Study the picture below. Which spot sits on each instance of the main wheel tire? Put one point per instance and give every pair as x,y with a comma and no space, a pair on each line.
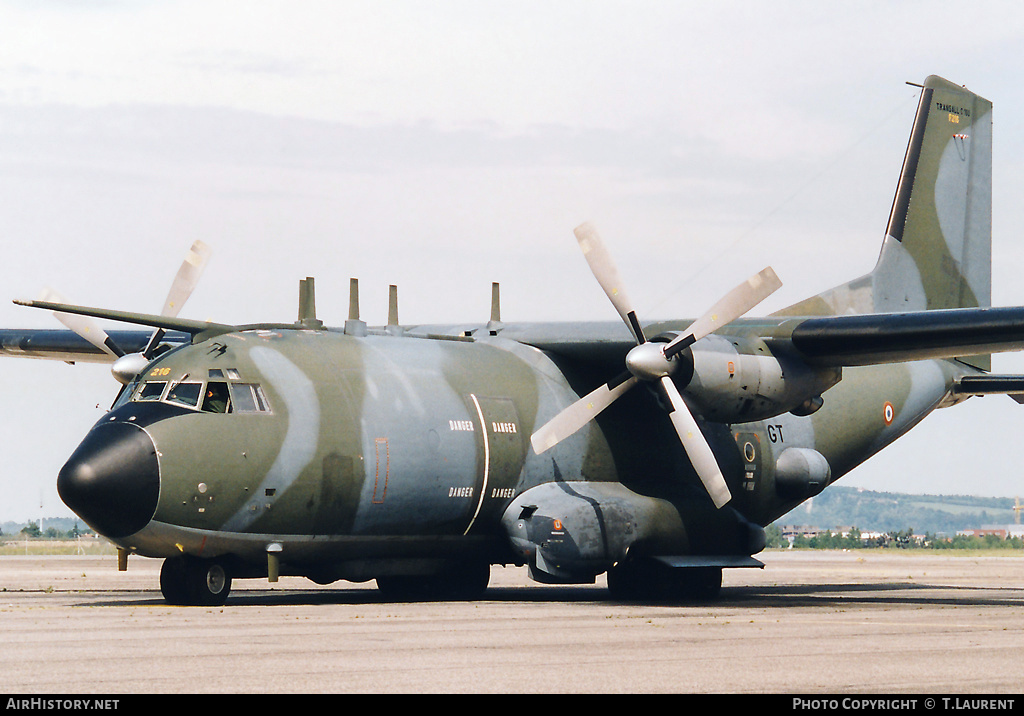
464,582
640,580
702,583
648,580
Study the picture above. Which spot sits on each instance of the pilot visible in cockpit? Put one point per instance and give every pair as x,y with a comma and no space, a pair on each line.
217,399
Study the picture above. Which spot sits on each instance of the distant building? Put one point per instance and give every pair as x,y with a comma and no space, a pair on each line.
1001,531
791,532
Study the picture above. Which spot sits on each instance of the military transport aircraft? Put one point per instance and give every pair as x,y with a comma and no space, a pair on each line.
419,456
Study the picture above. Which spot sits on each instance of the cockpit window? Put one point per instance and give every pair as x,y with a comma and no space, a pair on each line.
152,390
185,394
214,396
248,398
216,399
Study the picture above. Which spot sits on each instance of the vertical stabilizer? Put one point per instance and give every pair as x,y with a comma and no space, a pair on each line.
937,251
940,226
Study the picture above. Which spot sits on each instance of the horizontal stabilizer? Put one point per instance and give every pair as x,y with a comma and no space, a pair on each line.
1011,385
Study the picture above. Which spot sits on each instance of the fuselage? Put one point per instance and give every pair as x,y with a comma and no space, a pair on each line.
330,446
344,452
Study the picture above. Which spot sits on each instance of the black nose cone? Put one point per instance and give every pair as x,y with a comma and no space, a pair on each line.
112,481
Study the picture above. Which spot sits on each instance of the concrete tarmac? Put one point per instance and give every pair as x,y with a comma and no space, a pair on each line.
878,622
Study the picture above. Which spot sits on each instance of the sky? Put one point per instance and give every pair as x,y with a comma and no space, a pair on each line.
441,146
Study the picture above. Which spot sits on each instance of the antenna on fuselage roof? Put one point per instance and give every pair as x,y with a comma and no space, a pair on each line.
307,304
494,325
354,326
393,328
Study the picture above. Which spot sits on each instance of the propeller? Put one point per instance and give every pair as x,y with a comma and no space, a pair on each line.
187,278
127,366
84,326
184,283
655,362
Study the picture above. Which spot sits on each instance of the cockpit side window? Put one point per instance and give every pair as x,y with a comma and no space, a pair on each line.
248,398
185,394
151,390
216,399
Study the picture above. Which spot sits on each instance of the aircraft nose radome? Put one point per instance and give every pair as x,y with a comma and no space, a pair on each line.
112,481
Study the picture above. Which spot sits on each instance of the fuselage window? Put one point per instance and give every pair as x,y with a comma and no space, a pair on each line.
151,391
185,394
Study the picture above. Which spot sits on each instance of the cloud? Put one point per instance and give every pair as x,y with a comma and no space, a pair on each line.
444,145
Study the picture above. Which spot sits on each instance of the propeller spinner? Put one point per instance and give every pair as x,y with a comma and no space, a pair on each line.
655,362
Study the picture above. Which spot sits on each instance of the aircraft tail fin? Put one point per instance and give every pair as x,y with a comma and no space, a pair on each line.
937,248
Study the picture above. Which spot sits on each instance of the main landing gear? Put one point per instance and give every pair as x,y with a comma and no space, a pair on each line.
458,582
651,580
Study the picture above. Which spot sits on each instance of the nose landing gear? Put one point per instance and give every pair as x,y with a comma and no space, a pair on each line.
191,581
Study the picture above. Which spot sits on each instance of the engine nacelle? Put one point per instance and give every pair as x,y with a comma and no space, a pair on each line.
741,380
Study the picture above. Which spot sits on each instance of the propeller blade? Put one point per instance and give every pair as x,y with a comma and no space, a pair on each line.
730,307
604,270
152,343
697,448
186,279
84,326
580,413
184,283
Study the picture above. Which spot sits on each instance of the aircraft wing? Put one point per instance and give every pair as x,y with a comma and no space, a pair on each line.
68,346
827,341
868,339
88,343
591,342
849,340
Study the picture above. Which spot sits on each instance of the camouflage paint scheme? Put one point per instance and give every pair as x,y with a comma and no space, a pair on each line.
402,454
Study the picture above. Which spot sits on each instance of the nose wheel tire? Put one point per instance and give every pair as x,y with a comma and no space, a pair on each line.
190,581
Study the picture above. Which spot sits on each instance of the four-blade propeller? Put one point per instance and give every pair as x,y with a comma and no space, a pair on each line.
655,362
126,366
181,288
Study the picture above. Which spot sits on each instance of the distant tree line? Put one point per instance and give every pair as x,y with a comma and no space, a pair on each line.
897,539
32,531
891,511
